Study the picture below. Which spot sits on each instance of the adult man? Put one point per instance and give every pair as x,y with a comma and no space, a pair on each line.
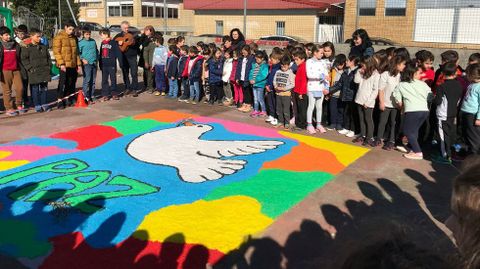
66,55
129,59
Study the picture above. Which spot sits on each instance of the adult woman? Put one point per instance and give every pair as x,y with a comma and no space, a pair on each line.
361,45
238,40
144,40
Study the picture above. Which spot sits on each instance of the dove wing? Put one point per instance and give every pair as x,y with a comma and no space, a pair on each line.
218,149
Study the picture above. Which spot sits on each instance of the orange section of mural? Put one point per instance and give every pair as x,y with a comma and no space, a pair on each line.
165,116
304,158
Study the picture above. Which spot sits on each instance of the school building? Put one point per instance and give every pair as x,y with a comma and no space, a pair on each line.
423,23
302,19
179,21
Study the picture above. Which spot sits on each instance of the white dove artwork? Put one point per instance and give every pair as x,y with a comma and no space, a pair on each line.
163,147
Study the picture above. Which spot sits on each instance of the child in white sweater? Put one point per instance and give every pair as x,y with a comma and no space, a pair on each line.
317,87
367,78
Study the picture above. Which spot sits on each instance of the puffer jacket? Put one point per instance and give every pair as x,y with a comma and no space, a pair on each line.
36,60
346,85
65,50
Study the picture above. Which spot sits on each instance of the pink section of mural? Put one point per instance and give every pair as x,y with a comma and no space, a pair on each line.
242,128
31,153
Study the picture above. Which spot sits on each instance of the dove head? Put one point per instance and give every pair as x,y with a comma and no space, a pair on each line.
194,128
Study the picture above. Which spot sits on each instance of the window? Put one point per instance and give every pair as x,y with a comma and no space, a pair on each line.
127,10
395,7
122,10
366,7
147,11
280,28
219,27
173,13
114,11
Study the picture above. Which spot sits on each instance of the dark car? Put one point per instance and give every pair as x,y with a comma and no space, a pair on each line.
379,41
116,28
92,26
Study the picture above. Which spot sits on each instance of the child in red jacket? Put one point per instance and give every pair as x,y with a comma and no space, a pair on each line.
300,90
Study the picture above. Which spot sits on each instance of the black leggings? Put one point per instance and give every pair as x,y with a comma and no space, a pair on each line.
388,115
349,119
366,121
247,94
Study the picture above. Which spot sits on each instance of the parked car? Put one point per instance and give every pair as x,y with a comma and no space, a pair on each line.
379,41
92,26
117,29
288,39
210,35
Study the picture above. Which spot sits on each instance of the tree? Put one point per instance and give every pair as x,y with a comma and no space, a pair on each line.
49,8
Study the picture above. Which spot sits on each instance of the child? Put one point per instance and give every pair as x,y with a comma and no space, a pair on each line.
109,54
283,84
193,70
317,86
271,93
237,89
348,90
227,72
425,59
329,53
159,61
10,72
206,53
308,50
215,72
447,100
36,60
336,104
245,63
367,78
449,56
183,80
172,72
88,55
389,80
300,90
258,80
471,110
412,96
474,58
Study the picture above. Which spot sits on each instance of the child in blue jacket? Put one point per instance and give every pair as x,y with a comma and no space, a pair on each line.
215,72
172,65
244,66
258,80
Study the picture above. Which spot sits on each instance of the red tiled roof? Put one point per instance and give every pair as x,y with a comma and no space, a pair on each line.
258,4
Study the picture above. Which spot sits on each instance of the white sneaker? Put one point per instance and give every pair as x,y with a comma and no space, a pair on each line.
343,131
274,121
269,119
350,134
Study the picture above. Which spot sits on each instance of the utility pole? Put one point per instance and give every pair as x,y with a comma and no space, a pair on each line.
59,14
105,8
71,12
245,17
165,16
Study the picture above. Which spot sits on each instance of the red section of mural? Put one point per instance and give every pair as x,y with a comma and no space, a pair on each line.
90,136
72,251
304,158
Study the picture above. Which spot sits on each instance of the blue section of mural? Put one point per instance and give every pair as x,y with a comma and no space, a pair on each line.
112,164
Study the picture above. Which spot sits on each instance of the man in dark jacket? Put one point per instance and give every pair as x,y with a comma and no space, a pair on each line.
10,72
129,61
36,60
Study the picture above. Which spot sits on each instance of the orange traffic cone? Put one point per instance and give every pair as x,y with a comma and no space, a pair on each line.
81,100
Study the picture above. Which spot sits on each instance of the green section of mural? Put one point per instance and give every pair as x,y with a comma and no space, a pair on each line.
17,238
80,182
276,190
129,125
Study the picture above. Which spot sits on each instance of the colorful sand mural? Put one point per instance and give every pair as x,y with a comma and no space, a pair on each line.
154,190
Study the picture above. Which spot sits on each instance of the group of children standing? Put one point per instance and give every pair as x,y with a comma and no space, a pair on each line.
386,99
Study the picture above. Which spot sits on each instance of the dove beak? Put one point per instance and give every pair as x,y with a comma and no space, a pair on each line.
186,122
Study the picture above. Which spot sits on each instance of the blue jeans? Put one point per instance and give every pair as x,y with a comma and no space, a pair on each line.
89,77
173,88
160,82
336,113
185,89
195,91
258,99
39,96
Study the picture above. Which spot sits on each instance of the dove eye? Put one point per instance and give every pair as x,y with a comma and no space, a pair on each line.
199,126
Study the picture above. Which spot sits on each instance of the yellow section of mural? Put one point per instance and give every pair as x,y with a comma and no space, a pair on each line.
220,224
346,154
5,165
